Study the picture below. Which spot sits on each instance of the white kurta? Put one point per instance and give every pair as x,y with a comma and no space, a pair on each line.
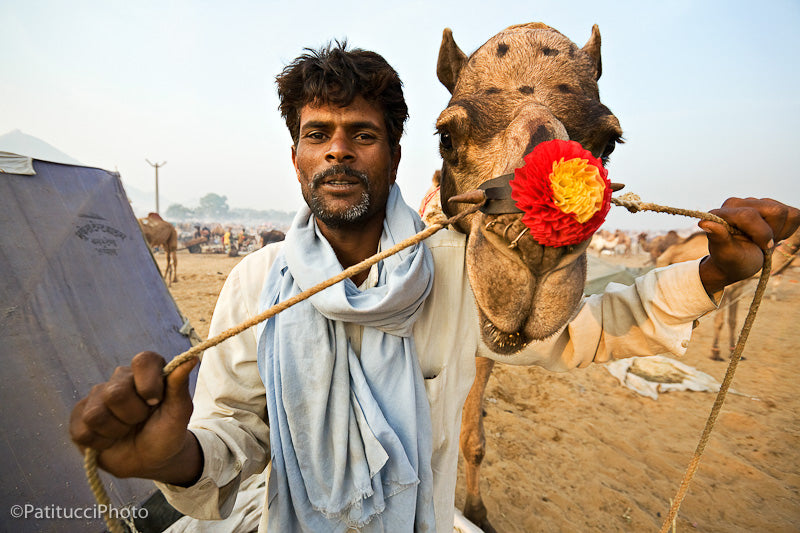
653,316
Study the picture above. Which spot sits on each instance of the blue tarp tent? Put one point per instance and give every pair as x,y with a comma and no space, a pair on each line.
80,294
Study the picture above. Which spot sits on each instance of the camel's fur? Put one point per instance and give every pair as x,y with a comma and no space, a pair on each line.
526,85
159,232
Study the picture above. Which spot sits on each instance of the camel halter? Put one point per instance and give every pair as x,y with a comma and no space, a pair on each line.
498,196
494,199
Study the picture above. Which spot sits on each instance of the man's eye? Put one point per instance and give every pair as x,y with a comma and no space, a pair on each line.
364,137
314,136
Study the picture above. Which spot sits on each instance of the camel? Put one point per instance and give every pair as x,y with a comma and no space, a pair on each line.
657,245
693,247
525,85
159,232
604,241
430,209
623,246
270,236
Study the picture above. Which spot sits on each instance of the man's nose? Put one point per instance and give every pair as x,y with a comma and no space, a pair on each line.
340,149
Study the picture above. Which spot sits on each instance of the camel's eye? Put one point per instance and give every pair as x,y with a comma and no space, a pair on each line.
609,149
445,140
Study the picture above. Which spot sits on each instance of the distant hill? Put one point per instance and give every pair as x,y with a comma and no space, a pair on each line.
17,142
142,202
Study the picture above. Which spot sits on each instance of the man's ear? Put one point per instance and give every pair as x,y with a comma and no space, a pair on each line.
294,160
396,153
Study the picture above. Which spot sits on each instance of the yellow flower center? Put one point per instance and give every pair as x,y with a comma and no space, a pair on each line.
577,188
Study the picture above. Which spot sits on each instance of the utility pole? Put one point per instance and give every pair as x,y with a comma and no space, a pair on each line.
156,165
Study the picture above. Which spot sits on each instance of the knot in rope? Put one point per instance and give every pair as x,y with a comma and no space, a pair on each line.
634,204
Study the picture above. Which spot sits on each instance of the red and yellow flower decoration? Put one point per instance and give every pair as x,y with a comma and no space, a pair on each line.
564,192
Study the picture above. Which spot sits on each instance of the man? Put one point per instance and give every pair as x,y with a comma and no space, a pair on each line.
354,397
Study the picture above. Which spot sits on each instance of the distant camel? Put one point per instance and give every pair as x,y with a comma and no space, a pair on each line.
624,245
694,247
159,232
273,235
615,243
430,209
657,245
604,241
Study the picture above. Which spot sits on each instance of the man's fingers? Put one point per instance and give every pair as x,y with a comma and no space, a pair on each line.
99,418
783,219
78,431
749,221
147,376
121,397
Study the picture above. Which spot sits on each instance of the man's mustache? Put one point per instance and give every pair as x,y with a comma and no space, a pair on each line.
339,170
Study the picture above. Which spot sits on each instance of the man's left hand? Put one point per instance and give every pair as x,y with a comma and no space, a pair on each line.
732,258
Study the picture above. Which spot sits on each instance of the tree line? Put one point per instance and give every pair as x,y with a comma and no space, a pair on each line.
215,207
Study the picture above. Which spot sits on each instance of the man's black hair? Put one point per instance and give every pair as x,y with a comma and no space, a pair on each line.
335,75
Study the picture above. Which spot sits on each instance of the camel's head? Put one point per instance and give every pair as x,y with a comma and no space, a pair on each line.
526,85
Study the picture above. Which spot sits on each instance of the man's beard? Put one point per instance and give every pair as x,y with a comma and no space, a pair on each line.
353,215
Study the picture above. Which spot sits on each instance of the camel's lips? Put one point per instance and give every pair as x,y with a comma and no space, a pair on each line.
499,341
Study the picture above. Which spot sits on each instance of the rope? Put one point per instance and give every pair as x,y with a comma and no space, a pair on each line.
634,204
99,491
723,390
91,455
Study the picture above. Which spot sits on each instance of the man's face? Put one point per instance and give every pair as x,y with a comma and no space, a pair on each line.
344,163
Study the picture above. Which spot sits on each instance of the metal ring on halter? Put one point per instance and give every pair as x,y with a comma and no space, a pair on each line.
515,241
490,224
505,231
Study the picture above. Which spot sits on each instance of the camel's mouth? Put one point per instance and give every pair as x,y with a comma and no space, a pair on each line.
499,341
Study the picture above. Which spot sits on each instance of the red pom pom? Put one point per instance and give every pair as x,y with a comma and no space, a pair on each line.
564,192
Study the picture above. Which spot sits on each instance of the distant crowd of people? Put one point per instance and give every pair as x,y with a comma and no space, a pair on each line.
230,240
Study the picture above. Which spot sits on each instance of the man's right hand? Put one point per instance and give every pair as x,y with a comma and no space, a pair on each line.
138,422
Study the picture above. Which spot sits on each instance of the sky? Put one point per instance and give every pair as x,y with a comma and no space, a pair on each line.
706,92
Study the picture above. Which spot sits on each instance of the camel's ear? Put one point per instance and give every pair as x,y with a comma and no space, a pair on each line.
592,47
451,61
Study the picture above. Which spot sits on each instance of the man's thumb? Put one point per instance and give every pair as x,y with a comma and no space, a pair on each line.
716,232
178,382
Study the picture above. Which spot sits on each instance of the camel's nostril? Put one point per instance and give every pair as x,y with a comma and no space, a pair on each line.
541,135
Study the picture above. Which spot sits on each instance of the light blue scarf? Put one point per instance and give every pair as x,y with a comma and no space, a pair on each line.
350,437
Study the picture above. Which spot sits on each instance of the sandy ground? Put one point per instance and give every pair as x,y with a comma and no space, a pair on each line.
578,452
